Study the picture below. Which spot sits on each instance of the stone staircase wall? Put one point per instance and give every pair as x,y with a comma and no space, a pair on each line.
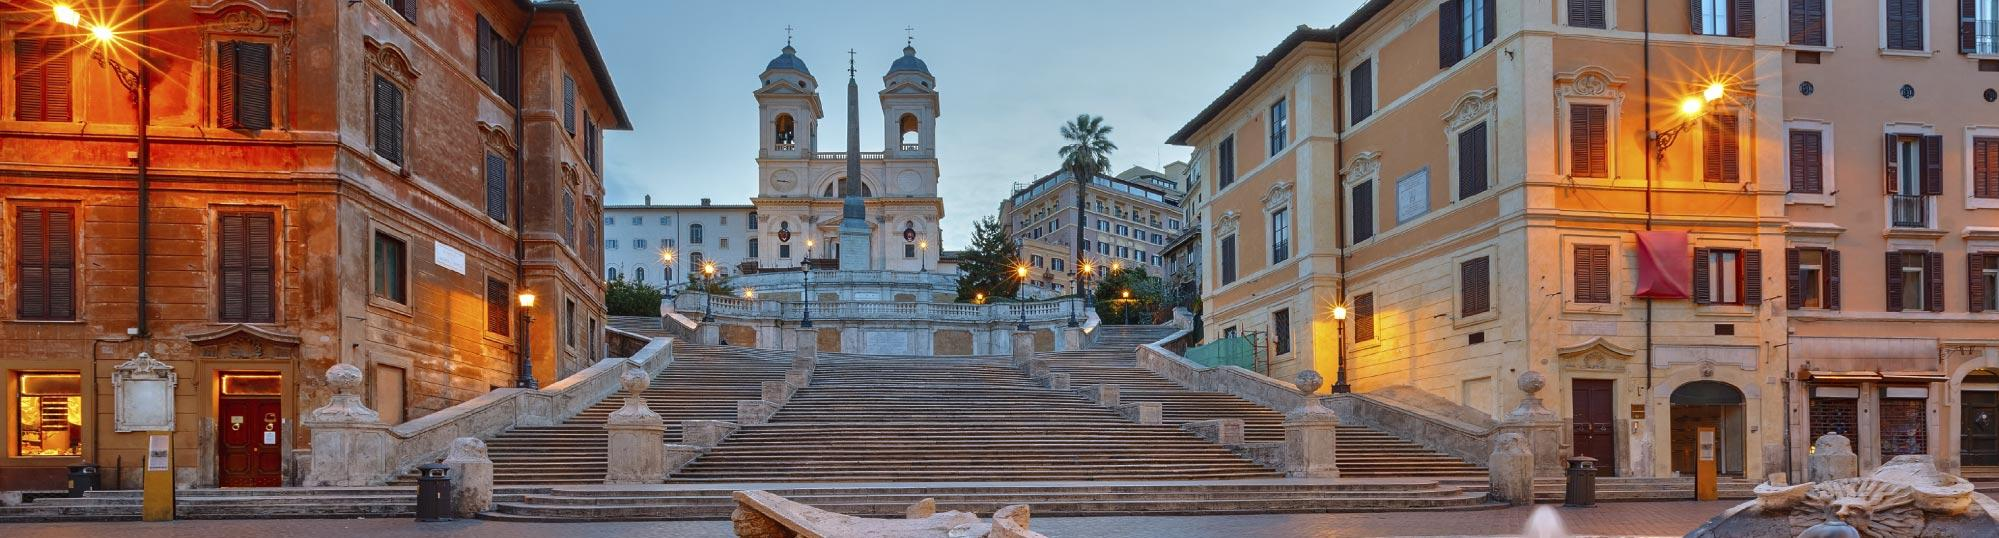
1418,420
1233,380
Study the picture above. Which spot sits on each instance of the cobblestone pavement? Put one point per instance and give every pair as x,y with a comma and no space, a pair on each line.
1612,519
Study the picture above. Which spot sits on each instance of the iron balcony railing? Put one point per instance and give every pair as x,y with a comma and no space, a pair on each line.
1909,211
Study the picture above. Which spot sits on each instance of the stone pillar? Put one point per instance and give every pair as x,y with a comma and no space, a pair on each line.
754,412
708,333
1023,347
1538,426
1310,437
350,444
777,392
705,433
472,477
1832,459
1072,338
805,346
637,434
1511,470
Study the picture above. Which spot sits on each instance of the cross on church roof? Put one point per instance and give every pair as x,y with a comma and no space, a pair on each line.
850,63
787,35
911,31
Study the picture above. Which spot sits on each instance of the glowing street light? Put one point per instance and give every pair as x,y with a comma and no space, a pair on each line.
1692,106
1020,271
1714,92
749,293
68,15
527,299
524,373
1340,385
707,288
1340,313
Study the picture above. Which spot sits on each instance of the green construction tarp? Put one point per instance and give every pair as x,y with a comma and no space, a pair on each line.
1231,351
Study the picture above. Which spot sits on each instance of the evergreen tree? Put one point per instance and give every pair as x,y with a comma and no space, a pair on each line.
987,267
627,298
1146,293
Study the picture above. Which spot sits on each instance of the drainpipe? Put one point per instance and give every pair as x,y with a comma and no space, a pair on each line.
1650,161
520,195
145,160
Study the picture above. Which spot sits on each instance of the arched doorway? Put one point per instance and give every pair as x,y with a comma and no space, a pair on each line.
1978,437
1713,404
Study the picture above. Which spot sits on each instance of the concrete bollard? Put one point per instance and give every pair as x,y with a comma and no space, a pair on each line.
754,412
705,433
472,488
1511,470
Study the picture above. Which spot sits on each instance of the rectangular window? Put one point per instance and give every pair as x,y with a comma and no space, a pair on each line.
1279,126
499,307
246,268
593,144
49,414
496,187
499,62
784,251
1034,260
1720,149
569,320
1360,92
1228,259
1280,331
1978,28
610,244
1363,210
1903,28
638,243
569,105
41,79
1475,286
1473,155
390,266
388,120
1914,170
1463,27
1589,140
389,391
1592,274
568,216
1808,24
406,8
1985,166
1722,276
723,242
1412,196
1587,14
1807,156
243,85
1984,281
1809,271
752,248
1280,236
45,263
1915,281
1363,317
1710,17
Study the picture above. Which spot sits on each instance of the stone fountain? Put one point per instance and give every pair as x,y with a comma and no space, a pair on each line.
1907,498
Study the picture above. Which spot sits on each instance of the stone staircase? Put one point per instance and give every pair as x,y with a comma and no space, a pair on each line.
965,419
1617,489
703,383
1984,477
1362,451
239,503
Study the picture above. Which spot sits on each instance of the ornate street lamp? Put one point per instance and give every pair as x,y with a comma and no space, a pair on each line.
1020,271
525,377
139,91
806,321
708,289
1693,108
666,258
923,256
1340,350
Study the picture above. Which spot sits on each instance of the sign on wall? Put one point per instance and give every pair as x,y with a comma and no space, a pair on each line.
1412,195
450,258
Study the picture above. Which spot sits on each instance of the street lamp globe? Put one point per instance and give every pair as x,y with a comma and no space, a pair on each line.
527,299
1340,313
68,15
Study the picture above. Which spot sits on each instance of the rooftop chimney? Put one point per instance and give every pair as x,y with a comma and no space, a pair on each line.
648,199
704,201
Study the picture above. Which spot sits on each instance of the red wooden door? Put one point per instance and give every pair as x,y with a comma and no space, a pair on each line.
252,448
1595,430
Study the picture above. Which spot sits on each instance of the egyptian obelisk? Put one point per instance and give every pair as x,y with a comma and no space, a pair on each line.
855,252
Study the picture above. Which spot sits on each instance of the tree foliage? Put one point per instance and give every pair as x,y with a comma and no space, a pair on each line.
987,266
626,298
1147,295
1087,154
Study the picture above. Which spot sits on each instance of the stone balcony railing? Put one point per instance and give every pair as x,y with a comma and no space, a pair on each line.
694,304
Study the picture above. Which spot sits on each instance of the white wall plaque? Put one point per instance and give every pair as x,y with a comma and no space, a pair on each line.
1412,196
157,454
143,395
450,258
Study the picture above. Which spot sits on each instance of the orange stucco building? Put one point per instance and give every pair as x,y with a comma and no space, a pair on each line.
1649,210
324,182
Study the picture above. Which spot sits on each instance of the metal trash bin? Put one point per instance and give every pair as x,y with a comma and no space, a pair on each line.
433,492
83,477
1581,492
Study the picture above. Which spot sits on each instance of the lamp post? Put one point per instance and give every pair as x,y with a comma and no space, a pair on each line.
708,289
1125,297
139,91
806,320
1340,350
666,258
923,256
525,378
1693,107
1020,271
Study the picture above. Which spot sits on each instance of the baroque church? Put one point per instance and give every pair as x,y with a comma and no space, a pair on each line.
801,192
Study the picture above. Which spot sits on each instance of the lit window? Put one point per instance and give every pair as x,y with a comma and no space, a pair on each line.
50,411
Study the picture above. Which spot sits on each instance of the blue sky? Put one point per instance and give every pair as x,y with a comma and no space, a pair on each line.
1009,74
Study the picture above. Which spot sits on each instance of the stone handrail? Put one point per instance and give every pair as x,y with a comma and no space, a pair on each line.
695,303
1244,384
1469,442
425,439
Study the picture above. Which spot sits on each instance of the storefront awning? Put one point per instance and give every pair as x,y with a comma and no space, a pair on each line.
1823,376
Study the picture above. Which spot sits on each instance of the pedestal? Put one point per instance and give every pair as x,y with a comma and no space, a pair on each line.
805,347
1832,459
708,333
1023,347
350,444
636,435
1310,439
1072,338
472,485
1511,469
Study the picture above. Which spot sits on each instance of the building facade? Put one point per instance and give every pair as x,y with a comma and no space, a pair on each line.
1129,218
279,186
638,237
1645,217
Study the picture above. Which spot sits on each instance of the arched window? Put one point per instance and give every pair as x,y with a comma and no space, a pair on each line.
610,273
694,261
839,188
910,138
784,131
639,274
666,275
694,234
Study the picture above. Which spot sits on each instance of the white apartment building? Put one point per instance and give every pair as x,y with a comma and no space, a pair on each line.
635,236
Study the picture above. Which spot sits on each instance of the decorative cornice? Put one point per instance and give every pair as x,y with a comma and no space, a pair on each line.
1589,81
1279,196
1363,164
1226,223
1473,107
390,60
496,137
243,17
240,328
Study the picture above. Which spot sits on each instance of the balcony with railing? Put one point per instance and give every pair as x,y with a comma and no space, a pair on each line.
1909,211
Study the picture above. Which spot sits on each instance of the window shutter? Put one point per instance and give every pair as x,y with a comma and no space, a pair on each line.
496,307
1933,165
1363,211
1588,133
569,217
1892,165
1742,18
1975,261
232,275
46,263
1752,277
1363,313
388,120
1491,22
569,105
250,104
262,268
1719,143
226,79
1471,161
1832,279
1808,22
407,8
1894,281
1694,18
1985,167
1807,162
1794,289
509,69
1450,33
1967,26
1361,90
488,61
41,79
1475,293
496,187
1933,271
1701,291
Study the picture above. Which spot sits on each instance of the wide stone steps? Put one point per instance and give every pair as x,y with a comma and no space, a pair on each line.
1621,489
239,503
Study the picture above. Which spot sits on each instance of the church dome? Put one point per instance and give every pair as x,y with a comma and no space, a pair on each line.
789,60
909,62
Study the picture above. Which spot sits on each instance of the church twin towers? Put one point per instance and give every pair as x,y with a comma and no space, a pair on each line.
803,207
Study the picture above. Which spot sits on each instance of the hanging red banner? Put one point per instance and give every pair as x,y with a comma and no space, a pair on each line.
1664,265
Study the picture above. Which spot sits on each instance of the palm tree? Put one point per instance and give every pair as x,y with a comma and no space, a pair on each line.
1087,154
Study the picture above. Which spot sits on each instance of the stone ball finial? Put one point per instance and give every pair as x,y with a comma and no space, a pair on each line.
634,381
1532,382
1309,381
344,378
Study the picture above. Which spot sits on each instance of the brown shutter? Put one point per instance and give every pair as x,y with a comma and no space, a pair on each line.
1985,167
488,62
1720,143
1363,313
1894,281
1752,277
1701,292
1933,165
509,69
46,263
496,187
1450,33
1472,149
262,268
1742,18
1975,261
1491,22
569,218
1475,291
232,268
1807,162
225,84
1588,137
569,105
1694,17
1794,290
1891,164
1592,274
1967,26
497,302
1808,22
388,120
42,79
1832,279
1933,270
1894,25
252,100
1585,14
